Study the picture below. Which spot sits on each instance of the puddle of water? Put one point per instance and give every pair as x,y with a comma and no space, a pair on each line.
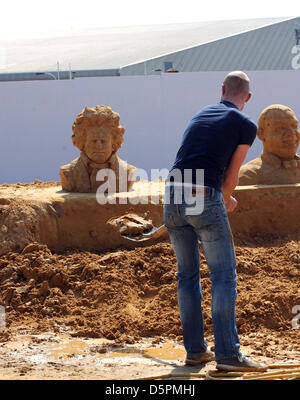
74,347
167,351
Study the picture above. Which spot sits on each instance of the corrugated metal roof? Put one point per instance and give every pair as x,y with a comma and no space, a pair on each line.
115,47
264,48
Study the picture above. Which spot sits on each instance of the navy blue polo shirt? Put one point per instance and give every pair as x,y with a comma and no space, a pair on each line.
210,140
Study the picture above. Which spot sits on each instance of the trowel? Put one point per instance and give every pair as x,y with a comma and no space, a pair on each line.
146,235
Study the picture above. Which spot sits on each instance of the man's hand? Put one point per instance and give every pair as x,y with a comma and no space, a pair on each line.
230,204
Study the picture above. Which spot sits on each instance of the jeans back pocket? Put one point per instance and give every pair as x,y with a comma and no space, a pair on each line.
208,225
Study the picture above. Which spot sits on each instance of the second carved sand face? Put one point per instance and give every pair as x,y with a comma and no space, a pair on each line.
280,134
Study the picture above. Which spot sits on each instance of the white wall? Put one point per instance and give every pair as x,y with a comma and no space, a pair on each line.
36,116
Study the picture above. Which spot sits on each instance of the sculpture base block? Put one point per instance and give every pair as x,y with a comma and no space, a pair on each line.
267,210
61,220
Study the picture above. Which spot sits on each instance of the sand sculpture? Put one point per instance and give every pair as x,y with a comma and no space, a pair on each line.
98,135
130,224
278,163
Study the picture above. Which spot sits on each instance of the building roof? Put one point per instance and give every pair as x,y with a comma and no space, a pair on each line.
118,47
269,47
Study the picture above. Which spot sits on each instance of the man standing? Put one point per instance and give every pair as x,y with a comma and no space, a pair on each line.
216,141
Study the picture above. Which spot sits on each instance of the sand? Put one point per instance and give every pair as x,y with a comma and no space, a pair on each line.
113,314
125,297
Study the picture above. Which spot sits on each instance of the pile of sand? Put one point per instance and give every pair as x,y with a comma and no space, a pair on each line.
129,294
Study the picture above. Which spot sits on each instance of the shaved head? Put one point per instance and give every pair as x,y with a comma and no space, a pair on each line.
236,83
236,88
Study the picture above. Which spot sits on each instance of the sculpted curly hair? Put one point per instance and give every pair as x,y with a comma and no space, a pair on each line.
100,115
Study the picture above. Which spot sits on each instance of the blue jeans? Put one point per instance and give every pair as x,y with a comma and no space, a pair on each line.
211,227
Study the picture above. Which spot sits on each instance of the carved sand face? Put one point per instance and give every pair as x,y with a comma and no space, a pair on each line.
98,145
280,134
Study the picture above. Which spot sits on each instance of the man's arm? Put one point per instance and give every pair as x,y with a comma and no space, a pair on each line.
231,175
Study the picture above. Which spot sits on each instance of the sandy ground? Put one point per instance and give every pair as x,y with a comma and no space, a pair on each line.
96,315
59,356
113,314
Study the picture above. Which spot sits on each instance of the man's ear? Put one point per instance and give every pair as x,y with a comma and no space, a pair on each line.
248,97
223,89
